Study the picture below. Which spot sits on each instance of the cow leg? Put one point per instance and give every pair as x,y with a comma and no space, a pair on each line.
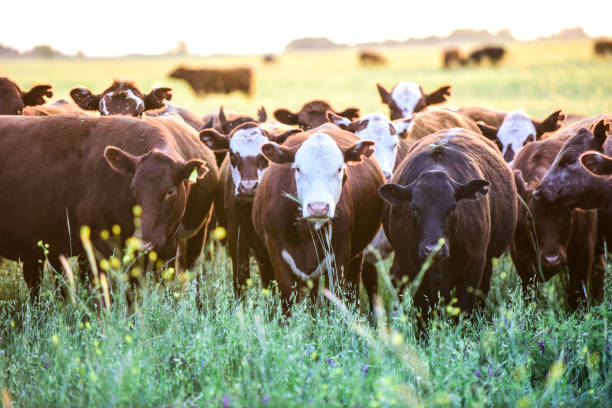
485,285
352,279
239,252
369,277
263,262
32,274
195,245
470,281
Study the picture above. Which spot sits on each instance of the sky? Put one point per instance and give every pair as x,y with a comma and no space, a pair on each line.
113,27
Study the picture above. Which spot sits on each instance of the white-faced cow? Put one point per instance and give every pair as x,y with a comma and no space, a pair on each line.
13,99
319,183
408,97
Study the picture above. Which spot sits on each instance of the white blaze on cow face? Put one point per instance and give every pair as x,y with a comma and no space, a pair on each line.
515,131
319,168
406,95
382,131
106,103
245,145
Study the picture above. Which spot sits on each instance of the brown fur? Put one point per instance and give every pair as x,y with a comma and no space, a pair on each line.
452,57
312,114
216,80
13,99
371,58
440,95
602,47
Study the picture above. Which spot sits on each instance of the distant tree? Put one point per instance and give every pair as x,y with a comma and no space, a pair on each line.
80,54
43,51
6,51
179,49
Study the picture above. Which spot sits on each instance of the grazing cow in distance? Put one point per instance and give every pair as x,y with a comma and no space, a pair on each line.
270,59
320,183
493,54
58,173
407,98
216,80
239,178
602,47
367,57
453,185
518,129
13,99
121,98
549,237
312,114
452,57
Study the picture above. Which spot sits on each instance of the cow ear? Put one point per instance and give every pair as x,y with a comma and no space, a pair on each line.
395,194
280,139
262,115
362,148
341,121
188,168
440,95
350,113
285,116
208,125
278,154
385,96
521,187
85,99
36,95
214,140
223,122
120,160
550,124
487,131
155,99
600,134
403,127
469,189
597,163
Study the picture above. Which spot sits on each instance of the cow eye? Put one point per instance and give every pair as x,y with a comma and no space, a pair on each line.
394,146
339,170
452,211
233,159
414,211
171,192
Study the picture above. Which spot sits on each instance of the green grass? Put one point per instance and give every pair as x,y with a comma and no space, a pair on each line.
519,351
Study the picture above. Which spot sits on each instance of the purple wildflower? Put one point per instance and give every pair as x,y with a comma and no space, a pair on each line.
477,373
364,370
331,362
309,374
266,399
608,347
489,370
542,346
226,401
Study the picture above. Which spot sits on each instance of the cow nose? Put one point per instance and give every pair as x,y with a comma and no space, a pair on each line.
247,187
318,209
425,250
387,175
553,261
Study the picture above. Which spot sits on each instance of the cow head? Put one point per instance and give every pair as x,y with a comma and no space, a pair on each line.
567,183
13,99
226,125
517,130
597,163
121,98
159,185
247,163
312,114
430,203
548,227
407,98
381,130
319,166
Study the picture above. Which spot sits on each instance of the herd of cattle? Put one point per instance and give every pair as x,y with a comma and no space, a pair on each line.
461,185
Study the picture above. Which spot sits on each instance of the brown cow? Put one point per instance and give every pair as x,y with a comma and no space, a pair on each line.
13,99
549,237
224,122
216,80
407,98
602,47
240,176
60,107
312,191
121,98
312,114
58,173
433,196
367,57
493,54
452,57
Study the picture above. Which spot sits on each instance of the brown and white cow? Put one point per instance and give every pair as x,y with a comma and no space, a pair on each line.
408,97
319,183
549,237
517,129
240,176
13,99
453,185
121,98
312,114
58,173
224,122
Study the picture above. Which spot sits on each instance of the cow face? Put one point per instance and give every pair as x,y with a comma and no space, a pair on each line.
121,98
382,131
13,99
247,163
318,166
159,185
407,98
312,114
567,183
517,130
429,205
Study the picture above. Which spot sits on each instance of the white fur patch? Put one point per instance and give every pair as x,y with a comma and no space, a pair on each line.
102,106
406,95
132,96
319,165
379,130
246,143
323,265
514,131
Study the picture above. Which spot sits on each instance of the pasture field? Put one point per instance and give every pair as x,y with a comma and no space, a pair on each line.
521,350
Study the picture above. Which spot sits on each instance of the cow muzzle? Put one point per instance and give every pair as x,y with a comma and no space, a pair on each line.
247,187
317,210
426,250
553,261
